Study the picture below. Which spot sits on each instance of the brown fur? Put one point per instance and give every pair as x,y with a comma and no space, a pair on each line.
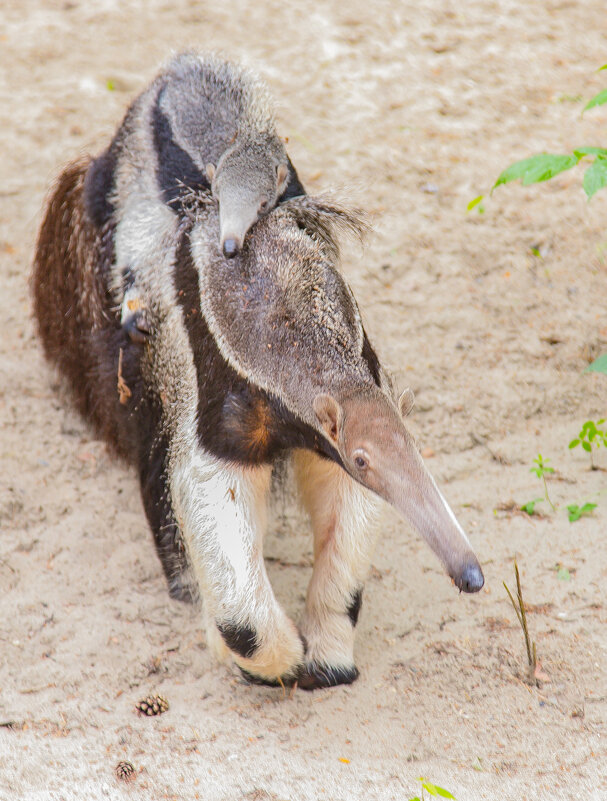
73,308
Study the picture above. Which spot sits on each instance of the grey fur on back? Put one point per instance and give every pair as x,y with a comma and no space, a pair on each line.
281,313
210,101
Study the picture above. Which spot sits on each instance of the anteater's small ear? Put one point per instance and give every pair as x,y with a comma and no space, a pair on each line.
210,171
282,175
406,401
329,415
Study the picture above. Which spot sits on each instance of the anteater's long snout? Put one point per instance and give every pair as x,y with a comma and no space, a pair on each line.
231,247
412,490
236,216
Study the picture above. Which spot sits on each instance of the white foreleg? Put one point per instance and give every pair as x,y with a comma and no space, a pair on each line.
343,515
222,511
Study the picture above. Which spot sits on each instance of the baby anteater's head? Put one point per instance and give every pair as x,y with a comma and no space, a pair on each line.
247,182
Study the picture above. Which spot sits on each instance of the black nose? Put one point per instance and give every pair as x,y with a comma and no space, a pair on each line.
472,579
230,248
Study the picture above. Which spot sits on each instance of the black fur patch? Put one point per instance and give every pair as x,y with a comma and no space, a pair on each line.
237,421
353,609
98,187
240,639
316,676
140,433
155,495
175,169
294,188
370,357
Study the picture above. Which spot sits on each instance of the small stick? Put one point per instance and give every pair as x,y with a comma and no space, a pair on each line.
519,608
124,393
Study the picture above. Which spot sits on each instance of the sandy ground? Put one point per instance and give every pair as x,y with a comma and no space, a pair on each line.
411,109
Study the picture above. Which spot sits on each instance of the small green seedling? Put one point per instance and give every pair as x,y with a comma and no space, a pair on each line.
591,436
562,573
541,470
476,203
519,608
575,512
529,507
431,789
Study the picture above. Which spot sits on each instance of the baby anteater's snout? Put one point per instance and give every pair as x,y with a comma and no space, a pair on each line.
230,248
471,578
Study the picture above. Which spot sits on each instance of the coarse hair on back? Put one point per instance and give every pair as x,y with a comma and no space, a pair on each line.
218,76
323,218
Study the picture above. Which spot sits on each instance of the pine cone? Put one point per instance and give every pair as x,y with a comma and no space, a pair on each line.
152,705
125,771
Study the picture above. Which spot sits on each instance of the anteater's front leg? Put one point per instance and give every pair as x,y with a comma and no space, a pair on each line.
343,515
222,511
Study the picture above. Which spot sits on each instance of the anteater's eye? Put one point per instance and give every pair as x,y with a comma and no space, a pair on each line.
264,206
361,461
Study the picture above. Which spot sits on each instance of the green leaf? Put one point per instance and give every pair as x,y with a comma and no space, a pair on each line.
575,511
529,507
478,200
536,168
587,447
595,177
574,443
562,573
435,790
604,67
598,365
580,152
110,85
442,792
597,100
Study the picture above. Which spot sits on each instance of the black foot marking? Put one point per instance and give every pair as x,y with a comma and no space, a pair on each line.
314,676
137,327
240,639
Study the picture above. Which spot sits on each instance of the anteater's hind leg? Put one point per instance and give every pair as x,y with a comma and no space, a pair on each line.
223,509
343,515
167,536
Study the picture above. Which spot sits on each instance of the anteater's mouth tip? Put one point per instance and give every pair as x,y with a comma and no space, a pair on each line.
470,580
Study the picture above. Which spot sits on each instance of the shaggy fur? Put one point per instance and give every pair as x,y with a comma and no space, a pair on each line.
244,361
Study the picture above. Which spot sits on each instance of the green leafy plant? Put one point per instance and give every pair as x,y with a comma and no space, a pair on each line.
575,512
431,789
542,469
590,437
544,166
529,507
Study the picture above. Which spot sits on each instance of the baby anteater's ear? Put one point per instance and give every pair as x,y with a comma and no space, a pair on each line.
282,177
210,171
406,401
329,414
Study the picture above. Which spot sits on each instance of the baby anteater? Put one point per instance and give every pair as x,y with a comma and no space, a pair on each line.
204,123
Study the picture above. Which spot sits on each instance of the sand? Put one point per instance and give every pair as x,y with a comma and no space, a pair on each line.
409,109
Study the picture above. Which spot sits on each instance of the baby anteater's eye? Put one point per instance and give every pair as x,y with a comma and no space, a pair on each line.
264,206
